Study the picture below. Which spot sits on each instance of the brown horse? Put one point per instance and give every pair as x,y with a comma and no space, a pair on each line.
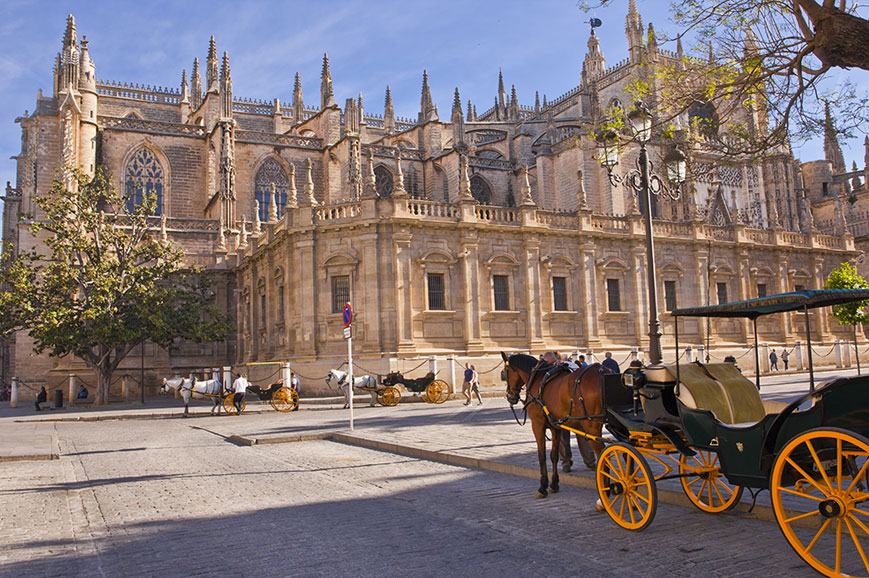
562,396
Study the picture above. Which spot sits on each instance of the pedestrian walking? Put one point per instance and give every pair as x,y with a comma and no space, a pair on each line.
784,357
240,386
773,361
466,384
611,363
475,385
41,397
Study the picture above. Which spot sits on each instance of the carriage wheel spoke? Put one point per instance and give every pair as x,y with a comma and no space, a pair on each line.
801,516
610,476
857,477
638,495
808,478
622,506
715,487
838,545
857,543
801,494
818,535
631,508
860,524
819,464
839,463
720,484
618,463
694,481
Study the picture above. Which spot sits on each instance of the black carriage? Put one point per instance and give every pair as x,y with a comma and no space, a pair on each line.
707,426
432,390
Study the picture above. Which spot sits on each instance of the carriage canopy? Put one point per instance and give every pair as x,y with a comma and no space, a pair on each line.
793,301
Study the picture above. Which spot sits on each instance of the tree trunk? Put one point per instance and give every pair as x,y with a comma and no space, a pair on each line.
104,382
841,39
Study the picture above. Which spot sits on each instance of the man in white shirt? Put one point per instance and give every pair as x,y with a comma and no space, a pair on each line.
240,387
294,382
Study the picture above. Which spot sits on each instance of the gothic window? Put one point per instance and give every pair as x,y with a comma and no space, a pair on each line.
480,190
271,173
383,182
144,176
411,184
703,118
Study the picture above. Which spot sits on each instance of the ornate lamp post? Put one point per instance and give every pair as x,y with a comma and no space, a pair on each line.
644,182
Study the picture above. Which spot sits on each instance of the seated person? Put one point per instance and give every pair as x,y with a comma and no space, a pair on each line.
82,393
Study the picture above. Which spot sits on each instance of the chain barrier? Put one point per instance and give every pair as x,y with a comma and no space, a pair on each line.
745,353
500,363
815,351
274,373
305,377
357,366
627,359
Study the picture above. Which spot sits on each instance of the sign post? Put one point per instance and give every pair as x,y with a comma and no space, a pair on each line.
348,335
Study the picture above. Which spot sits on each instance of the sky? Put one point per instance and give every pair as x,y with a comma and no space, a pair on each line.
539,46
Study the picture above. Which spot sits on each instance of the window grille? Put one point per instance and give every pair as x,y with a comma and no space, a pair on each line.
559,293
436,297
613,293
340,292
501,291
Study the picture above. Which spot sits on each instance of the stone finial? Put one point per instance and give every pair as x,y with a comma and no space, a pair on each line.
398,190
163,235
388,113
185,91
257,224
464,180
525,191
308,199
273,204
221,237
581,198
370,189
242,234
327,99
292,200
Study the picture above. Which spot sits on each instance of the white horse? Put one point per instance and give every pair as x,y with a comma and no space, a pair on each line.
197,389
367,381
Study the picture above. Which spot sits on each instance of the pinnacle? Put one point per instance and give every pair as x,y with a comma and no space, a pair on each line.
212,49
457,101
388,102
325,72
69,36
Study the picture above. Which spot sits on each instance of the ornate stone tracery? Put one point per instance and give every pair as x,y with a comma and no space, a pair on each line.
144,175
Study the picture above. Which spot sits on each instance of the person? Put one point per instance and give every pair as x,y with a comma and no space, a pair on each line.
564,451
294,382
582,362
784,357
5,393
42,397
466,384
82,392
475,385
240,387
773,361
611,363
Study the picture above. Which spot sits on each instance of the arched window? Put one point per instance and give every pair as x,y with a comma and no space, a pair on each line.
704,118
144,175
411,184
271,173
480,190
383,181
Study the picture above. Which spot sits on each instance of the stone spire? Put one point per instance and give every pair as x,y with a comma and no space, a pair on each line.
298,104
69,60
470,115
195,86
69,35
87,74
525,191
464,180
308,199
855,180
866,152
242,235
211,67
457,120
651,42
221,237
225,88
273,204
427,110
292,199
594,63
351,117
832,150
369,189
185,91
634,32
513,108
711,57
537,103
398,191
388,113
361,111
502,95
680,54
327,99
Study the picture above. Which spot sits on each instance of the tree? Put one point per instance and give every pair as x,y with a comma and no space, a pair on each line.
109,283
845,276
757,75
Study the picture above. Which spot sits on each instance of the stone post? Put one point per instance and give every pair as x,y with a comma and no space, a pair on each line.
634,352
13,397
798,350
838,348
589,356
125,386
215,374
846,352
689,354
72,383
227,378
451,360
433,365
701,353
765,357
285,375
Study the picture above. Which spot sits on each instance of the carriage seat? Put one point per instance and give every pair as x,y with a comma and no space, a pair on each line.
731,398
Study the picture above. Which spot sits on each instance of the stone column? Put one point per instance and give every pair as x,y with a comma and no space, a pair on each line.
307,302
641,299
13,395
72,384
125,386
403,281
838,349
533,304
589,308
472,294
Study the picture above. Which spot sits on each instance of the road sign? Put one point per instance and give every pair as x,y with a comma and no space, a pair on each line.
348,315
347,332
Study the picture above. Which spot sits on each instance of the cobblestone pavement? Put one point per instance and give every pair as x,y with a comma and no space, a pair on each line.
176,497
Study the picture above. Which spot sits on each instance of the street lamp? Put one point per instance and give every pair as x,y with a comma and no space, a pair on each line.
644,182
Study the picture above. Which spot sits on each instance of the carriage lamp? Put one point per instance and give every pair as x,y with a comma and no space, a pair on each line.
641,180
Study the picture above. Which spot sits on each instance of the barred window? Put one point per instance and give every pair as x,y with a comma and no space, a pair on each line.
559,293
722,292
761,289
436,297
280,303
340,292
262,310
502,292
613,293
670,295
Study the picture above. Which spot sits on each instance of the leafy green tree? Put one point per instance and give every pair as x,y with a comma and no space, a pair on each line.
109,283
845,276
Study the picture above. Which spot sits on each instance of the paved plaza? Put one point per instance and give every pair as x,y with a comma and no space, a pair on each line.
271,494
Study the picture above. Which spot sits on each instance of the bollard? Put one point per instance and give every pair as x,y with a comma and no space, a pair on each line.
451,361
589,356
227,378
701,353
73,379
689,354
766,363
13,397
798,350
433,365
125,386
838,348
58,398
215,374
634,351
286,380
846,352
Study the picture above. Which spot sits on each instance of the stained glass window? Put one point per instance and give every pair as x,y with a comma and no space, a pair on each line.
271,172
480,190
144,176
383,182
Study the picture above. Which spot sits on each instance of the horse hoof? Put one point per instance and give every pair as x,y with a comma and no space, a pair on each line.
566,469
540,495
553,489
598,506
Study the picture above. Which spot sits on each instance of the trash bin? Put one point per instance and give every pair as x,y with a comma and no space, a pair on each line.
58,398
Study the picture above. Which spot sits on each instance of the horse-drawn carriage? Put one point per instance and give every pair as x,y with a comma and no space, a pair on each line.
706,425
432,390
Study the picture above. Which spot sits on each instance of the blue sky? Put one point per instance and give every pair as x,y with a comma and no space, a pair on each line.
538,45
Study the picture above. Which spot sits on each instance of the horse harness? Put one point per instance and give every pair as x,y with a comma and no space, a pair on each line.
551,372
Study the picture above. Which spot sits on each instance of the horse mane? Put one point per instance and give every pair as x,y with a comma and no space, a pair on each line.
523,362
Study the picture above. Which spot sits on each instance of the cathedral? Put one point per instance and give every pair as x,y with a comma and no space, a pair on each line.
454,237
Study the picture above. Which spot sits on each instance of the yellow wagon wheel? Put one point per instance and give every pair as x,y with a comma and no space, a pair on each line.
705,486
389,396
437,391
821,477
228,405
626,487
285,399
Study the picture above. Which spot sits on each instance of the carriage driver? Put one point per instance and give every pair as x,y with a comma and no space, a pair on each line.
564,452
240,387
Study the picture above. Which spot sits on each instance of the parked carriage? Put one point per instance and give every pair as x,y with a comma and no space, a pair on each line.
706,425
432,390
283,399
